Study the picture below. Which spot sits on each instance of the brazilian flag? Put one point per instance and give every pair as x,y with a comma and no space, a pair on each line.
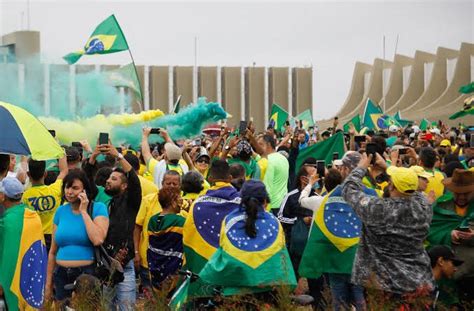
201,231
245,265
106,38
468,109
278,117
372,114
335,233
23,258
354,121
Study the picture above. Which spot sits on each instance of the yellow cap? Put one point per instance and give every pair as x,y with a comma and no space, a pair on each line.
445,143
404,179
420,172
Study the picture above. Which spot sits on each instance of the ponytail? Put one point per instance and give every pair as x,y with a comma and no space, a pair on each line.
251,208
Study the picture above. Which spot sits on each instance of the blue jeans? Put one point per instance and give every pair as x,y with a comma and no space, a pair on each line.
63,276
344,293
123,296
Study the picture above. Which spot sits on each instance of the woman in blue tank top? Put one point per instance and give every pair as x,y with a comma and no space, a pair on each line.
75,233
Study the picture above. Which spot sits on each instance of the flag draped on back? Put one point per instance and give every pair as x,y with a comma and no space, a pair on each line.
125,76
278,117
372,114
307,118
23,258
323,150
201,231
355,121
106,38
335,233
243,264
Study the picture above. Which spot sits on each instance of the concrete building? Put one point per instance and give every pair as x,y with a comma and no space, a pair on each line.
244,92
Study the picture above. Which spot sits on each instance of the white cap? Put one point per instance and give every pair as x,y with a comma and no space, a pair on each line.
435,131
416,129
393,128
337,162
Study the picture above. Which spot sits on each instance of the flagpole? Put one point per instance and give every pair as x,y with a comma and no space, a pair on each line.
133,62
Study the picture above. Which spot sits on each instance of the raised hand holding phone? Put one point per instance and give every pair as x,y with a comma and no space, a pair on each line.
84,201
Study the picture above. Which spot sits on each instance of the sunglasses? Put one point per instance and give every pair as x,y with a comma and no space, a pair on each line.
202,161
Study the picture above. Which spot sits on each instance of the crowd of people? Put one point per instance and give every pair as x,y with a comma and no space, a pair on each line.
392,217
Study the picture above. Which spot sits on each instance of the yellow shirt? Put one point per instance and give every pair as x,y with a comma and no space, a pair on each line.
44,200
435,183
145,173
148,187
149,207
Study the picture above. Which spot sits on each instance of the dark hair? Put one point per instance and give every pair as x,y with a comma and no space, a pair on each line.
451,166
77,174
167,196
381,144
332,179
269,140
133,161
451,158
237,171
192,182
4,163
428,157
174,162
102,175
123,174
36,169
251,206
51,177
219,170
171,173
301,173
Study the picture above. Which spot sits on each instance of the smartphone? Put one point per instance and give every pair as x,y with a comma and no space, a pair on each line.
320,168
119,149
402,151
463,229
287,123
103,138
155,130
52,132
76,144
371,148
359,138
242,127
335,156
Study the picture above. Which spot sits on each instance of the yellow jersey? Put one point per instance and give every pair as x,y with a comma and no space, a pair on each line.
44,200
435,183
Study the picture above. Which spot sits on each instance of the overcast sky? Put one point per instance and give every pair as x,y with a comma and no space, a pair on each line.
330,36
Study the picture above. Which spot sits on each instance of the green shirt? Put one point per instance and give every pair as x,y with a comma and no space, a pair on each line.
102,196
276,179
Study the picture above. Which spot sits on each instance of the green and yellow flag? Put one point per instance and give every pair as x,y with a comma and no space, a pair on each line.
307,118
372,114
466,89
278,117
245,265
323,150
355,121
466,110
106,38
125,76
23,258
402,122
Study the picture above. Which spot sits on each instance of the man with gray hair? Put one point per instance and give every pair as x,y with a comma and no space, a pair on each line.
335,221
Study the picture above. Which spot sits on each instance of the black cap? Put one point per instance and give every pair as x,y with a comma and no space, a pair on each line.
444,252
310,161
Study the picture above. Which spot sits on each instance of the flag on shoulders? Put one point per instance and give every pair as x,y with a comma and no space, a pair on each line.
372,114
322,150
23,258
335,233
201,230
106,38
246,265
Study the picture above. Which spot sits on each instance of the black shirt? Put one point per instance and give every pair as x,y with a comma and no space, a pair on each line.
123,210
